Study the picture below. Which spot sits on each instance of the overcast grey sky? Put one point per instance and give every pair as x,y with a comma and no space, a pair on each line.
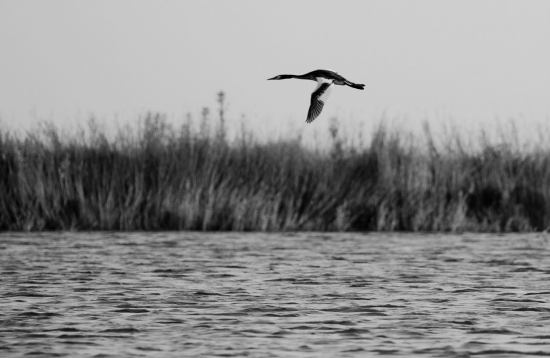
470,60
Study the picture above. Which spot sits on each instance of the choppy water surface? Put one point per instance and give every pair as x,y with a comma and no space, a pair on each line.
273,295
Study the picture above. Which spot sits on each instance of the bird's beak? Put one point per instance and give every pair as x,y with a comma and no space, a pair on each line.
273,78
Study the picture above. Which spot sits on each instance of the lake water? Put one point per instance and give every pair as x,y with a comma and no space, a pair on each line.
274,295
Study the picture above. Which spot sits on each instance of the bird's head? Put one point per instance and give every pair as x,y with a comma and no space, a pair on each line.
280,77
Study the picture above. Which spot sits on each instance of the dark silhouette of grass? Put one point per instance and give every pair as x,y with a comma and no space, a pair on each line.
159,178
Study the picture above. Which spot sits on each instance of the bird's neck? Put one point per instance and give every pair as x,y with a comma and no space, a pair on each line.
299,77
307,76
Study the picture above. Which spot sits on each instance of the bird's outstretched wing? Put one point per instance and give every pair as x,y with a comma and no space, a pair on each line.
318,98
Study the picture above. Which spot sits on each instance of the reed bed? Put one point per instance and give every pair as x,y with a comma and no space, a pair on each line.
156,177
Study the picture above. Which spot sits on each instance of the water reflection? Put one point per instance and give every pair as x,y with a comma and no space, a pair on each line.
265,295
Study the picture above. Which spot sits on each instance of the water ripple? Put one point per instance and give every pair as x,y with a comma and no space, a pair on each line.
274,295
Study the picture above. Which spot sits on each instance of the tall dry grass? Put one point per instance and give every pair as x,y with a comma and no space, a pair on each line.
156,177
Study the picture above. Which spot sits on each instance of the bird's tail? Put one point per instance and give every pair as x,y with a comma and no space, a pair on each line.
355,85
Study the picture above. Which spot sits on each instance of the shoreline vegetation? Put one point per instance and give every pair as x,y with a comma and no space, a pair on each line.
157,177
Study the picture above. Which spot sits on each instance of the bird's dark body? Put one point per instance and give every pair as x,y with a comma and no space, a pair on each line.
338,80
328,74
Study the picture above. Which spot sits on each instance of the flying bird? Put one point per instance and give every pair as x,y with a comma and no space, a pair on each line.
325,80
